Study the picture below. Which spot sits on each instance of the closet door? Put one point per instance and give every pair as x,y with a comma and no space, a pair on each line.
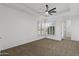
66,29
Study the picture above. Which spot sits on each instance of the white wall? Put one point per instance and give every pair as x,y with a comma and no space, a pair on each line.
75,28
16,28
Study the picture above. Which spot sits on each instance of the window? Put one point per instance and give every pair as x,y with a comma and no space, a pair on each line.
46,28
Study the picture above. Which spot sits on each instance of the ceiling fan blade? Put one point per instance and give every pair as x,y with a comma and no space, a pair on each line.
50,14
52,9
46,8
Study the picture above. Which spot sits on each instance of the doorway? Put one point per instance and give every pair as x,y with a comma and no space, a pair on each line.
66,29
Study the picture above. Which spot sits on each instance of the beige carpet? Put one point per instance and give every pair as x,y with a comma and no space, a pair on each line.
45,47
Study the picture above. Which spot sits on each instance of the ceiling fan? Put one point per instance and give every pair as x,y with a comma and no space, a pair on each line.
51,11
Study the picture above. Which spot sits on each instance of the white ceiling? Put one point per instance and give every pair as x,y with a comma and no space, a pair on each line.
36,8
40,7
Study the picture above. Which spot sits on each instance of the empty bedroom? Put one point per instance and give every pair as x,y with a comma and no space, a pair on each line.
39,29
